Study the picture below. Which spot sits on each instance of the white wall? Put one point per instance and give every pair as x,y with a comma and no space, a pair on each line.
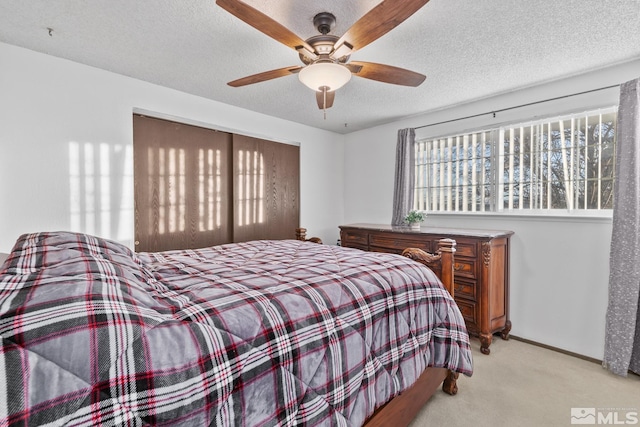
49,107
559,266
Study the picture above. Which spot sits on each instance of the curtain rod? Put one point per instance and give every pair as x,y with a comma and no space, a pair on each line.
517,106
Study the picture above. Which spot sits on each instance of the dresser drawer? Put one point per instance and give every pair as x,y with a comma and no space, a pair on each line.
463,267
354,239
468,310
464,289
465,247
398,243
386,250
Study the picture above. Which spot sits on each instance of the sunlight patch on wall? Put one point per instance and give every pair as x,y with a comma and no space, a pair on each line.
209,187
168,167
100,184
250,187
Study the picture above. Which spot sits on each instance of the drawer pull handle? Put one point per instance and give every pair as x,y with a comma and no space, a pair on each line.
457,267
458,288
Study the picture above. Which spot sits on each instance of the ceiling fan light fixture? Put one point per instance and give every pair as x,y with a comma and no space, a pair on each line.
328,74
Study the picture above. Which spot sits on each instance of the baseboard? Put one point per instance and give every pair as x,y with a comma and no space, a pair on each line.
559,350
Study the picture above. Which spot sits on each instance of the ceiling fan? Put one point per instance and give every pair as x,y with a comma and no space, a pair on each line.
325,56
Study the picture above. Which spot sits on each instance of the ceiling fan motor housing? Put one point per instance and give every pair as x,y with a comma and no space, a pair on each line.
323,46
324,22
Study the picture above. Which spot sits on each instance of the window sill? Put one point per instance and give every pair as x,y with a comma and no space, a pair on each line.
542,215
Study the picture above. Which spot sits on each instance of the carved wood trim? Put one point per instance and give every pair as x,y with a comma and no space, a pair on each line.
442,262
486,253
421,256
301,234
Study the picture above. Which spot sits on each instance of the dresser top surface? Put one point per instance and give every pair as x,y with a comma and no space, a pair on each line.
444,231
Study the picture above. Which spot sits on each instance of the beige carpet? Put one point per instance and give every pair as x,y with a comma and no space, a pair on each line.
521,384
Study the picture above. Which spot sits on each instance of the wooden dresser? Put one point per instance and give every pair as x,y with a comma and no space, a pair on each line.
481,268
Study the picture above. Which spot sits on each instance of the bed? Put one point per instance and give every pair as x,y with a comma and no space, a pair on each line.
261,333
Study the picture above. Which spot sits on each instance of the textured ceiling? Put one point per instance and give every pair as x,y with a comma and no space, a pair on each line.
469,49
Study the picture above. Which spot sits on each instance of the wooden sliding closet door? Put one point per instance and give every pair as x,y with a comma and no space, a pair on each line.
182,185
266,189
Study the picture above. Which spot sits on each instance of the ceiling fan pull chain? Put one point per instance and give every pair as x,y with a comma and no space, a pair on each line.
324,95
324,101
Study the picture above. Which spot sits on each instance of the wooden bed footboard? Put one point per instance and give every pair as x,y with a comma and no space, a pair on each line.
401,410
441,262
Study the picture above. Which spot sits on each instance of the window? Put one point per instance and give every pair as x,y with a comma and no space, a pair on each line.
563,163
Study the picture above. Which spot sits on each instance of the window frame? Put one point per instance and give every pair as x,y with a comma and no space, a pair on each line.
497,169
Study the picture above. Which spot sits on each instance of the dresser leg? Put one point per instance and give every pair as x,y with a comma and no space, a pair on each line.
505,332
485,342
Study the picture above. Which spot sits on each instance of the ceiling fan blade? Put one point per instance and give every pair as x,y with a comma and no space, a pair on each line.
355,69
264,76
263,23
320,99
379,21
388,74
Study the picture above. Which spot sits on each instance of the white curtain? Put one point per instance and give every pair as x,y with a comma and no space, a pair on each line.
622,335
405,175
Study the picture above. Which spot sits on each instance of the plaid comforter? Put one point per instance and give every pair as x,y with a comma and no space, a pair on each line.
261,333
